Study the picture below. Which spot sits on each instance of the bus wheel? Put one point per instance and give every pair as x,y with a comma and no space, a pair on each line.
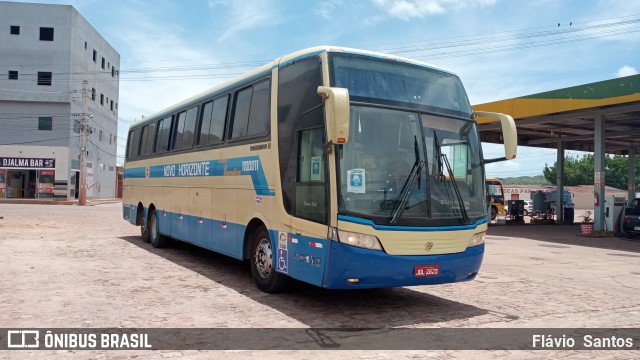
266,277
144,229
157,240
494,213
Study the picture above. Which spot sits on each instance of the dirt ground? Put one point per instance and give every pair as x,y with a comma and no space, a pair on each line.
564,234
72,266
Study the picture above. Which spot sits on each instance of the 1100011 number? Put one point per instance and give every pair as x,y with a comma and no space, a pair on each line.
251,165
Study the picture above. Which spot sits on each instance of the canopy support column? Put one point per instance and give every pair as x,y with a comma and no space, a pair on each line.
560,183
632,175
599,170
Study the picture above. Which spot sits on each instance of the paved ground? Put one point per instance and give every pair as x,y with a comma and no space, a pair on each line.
72,266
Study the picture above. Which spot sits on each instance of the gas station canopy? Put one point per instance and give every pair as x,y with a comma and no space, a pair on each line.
601,117
568,115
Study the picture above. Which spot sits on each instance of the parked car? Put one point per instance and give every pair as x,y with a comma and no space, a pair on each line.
631,218
528,208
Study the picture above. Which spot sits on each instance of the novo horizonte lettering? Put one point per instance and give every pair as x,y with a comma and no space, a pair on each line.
200,168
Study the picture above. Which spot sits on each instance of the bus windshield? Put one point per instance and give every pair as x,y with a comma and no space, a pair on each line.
435,133
393,82
385,146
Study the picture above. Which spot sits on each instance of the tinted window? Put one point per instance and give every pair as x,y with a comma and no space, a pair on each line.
297,95
164,129
395,81
189,128
129,144
213,119
259,113
310,193
134,144
251,116
148,137
241,113
178,130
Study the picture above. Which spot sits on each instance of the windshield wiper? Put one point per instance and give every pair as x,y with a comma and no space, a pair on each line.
438,153
409,184
463,208
407,190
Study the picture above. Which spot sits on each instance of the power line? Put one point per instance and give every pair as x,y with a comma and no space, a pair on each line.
518,36
474,40
37,141
99,148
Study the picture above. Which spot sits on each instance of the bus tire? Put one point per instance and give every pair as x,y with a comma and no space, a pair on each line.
157,240
144,229
266,277
494,212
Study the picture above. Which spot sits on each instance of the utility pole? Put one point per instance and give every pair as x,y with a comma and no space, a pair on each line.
84,129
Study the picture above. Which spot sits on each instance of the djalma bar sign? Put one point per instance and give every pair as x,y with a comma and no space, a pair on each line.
31,163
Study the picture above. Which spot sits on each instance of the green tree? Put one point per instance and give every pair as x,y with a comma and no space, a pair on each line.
579,171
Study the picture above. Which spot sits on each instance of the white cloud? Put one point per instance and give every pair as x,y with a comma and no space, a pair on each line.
150,44
325,9
407,9
245,15
626,71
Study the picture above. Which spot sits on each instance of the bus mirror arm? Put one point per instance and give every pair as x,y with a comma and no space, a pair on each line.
328,147
509,135
489,161
336,103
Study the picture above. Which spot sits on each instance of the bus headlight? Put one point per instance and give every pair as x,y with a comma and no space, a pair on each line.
477,239
359,240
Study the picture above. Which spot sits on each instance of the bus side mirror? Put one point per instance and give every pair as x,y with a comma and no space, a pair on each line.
509,134
336,104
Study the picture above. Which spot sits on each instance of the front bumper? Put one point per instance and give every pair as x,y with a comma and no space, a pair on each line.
377,269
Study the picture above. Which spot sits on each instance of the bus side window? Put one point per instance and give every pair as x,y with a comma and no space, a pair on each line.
148,137
241,114
134,144
259,114
129,145
212,124
189,128
297,95
162,135
178,131
251,113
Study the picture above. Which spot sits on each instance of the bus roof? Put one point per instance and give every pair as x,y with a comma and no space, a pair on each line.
276,63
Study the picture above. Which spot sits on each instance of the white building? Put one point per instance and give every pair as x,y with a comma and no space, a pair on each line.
46,52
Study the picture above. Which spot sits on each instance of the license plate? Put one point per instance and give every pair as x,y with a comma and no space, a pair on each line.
426,270
636,228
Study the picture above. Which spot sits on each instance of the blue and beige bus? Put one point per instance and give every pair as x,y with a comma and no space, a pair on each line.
342,168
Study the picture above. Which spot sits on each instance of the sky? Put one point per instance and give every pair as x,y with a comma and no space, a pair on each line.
170,50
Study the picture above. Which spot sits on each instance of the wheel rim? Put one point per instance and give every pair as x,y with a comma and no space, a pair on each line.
263,258
152,227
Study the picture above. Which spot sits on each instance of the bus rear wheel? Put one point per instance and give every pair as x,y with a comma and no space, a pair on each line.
144,229
266,277
157,240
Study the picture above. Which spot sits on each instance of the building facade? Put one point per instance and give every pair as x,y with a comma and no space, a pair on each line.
47,52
